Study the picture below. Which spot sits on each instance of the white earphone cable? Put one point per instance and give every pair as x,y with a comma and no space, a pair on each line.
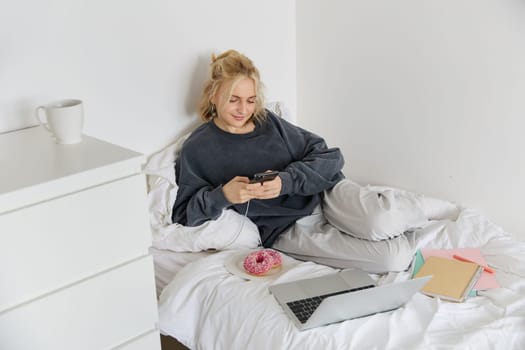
245,217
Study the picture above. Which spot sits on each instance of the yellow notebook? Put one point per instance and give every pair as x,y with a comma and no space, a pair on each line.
451,279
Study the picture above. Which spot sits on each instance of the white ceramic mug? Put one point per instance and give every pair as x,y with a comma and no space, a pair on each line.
65,119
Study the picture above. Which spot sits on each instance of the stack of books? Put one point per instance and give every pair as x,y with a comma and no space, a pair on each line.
457,273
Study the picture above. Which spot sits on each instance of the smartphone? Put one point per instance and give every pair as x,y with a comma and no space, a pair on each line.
261,177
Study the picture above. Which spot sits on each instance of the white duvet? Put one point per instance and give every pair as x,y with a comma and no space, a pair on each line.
206,307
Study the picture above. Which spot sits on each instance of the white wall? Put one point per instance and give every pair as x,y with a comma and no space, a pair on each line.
138,65
421,94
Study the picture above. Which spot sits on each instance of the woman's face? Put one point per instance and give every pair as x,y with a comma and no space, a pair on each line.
233,115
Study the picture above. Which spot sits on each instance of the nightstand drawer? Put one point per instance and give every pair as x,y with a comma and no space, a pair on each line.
98,313
57,242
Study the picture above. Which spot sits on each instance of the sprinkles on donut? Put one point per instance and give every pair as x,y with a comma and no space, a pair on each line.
261,262
277,261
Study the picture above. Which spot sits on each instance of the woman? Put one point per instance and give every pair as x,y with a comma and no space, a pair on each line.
240,138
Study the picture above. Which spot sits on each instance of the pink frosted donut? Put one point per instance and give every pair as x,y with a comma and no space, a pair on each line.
258,263
276,257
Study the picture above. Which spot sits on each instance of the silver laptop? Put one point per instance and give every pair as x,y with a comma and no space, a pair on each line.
341,296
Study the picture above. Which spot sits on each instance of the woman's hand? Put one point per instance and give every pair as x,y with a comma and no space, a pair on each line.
237,191
267,189
240,190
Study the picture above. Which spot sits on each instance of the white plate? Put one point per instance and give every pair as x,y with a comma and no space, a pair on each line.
234,265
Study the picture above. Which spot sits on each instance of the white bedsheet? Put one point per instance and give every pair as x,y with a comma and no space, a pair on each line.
205,307
168,263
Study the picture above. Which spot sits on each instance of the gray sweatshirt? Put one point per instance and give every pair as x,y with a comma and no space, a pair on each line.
211,157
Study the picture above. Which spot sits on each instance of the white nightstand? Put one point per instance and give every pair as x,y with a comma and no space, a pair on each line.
75,272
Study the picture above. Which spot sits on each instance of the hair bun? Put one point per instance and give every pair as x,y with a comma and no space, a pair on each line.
227,68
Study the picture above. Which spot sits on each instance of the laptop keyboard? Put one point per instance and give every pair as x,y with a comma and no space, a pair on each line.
304,308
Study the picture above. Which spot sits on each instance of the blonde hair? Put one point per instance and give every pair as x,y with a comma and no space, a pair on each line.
227,69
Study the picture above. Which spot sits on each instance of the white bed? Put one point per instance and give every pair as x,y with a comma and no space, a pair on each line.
204,306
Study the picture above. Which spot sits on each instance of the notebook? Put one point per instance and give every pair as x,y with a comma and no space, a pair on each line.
451,279
485,281
340,296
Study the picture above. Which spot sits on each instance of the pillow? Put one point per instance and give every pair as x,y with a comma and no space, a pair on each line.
230,231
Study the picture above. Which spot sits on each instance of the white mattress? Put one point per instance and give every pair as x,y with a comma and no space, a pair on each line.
206,307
